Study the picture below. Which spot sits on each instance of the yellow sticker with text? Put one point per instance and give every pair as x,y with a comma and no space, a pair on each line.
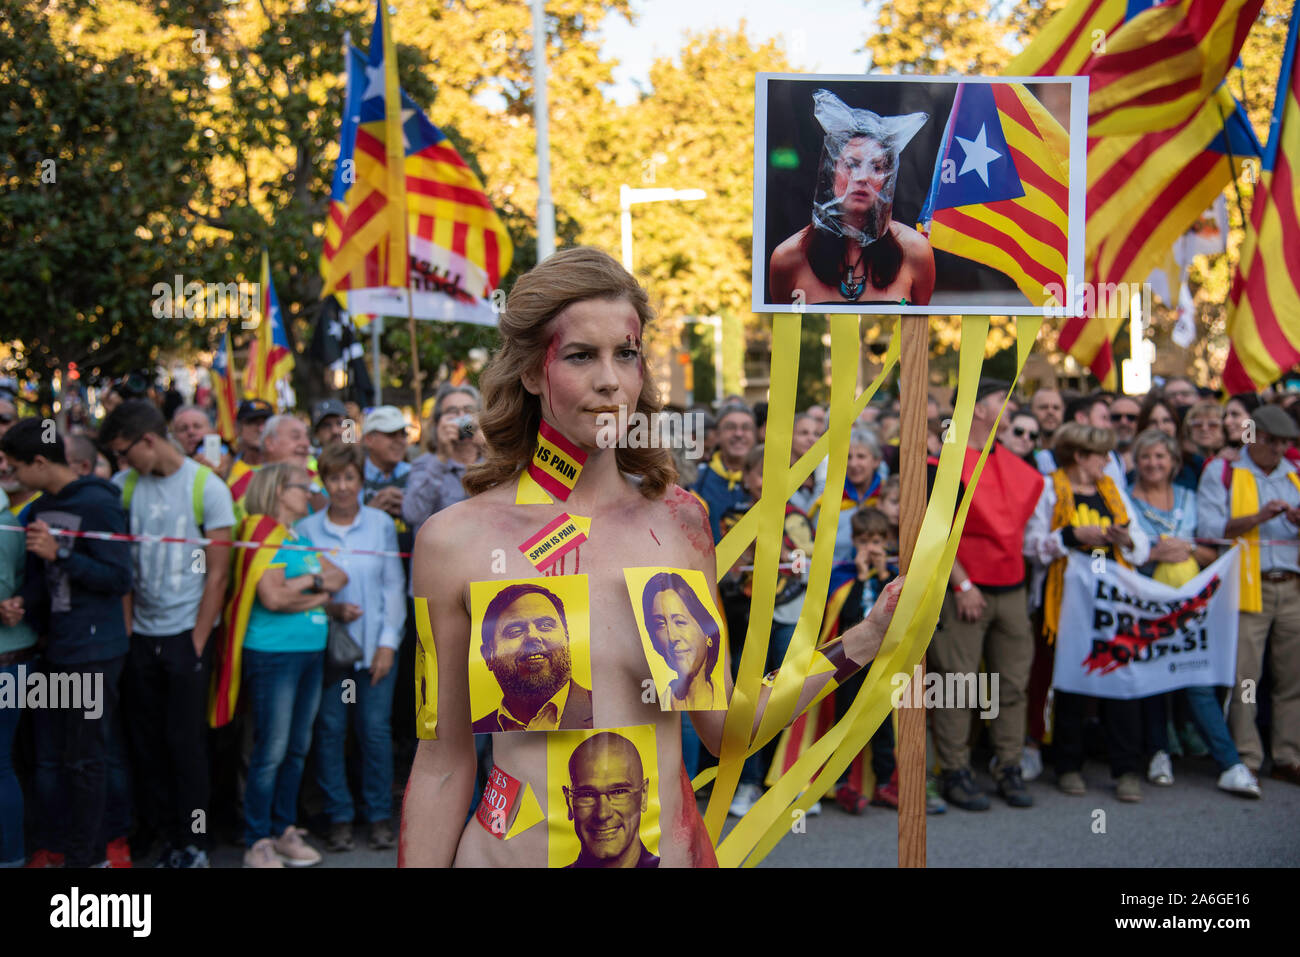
426,674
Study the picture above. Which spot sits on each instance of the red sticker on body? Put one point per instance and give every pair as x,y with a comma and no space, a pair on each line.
498,802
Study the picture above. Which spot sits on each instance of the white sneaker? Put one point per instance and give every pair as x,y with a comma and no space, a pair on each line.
262,854
293,850
1239,780
747,796
1031,763
1161,770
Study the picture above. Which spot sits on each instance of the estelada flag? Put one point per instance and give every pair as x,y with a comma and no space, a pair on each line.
248,564
224,390
1006,200
1264,318
270,358
458,248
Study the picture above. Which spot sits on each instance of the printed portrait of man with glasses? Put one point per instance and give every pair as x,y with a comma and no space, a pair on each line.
607,793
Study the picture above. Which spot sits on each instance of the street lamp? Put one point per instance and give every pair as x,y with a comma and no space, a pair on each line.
627,197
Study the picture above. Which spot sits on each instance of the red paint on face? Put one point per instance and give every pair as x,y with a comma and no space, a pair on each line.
552,350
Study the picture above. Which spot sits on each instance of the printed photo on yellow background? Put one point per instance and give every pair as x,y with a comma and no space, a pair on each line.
602,789
426,674
530,655
681,635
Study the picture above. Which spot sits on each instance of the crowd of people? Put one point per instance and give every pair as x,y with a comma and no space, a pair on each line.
323,606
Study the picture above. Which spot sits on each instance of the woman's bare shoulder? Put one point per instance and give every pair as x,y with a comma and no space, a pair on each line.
790,252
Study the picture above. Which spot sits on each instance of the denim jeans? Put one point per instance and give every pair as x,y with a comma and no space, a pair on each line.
284,691
11,794
81,744
372,720
1207,714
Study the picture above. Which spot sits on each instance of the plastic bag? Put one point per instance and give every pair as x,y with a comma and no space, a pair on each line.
859,167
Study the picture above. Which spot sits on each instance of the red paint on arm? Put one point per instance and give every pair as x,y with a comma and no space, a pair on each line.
690,829
687,512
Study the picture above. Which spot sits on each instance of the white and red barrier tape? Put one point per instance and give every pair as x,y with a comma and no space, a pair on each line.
171,540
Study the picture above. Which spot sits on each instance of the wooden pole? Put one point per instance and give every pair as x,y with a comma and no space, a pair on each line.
914,377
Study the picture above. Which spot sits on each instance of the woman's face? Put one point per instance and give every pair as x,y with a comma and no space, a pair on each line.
343,488
1235,417
1020,435
677,635
1155,465
1092,465
591,369
1163,419
295,501
458,404
861,173
862,465
1206,431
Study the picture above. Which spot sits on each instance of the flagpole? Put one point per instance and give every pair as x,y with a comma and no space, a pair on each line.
914,379
415,352
545,208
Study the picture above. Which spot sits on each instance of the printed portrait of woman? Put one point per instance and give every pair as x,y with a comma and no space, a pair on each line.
688,638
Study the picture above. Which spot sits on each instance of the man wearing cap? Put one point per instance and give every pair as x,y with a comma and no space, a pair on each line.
384,482
984,613
327,418
250,420
1257,500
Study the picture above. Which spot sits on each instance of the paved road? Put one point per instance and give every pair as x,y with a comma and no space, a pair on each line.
1192,824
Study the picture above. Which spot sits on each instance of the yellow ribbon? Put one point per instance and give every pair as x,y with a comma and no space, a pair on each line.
909,633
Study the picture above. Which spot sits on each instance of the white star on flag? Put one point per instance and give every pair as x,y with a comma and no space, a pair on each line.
374,82
978,155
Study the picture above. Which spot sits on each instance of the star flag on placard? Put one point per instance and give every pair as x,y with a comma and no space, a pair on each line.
1000,190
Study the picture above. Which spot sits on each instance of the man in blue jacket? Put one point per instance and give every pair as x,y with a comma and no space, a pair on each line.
72,594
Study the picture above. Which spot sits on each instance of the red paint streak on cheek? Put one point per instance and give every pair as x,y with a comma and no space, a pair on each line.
552,351
690,829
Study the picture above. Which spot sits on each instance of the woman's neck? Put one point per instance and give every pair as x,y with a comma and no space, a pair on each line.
340,516
1154,493
1079,480
599,481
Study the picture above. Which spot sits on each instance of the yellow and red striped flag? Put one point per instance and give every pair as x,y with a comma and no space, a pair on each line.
1264,316
1010,206
1145,188
223,375
1153,72
455,244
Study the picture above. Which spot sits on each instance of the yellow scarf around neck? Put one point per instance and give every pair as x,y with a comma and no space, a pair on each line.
1063,515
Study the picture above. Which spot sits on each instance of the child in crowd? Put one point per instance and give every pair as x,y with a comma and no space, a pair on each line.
872,532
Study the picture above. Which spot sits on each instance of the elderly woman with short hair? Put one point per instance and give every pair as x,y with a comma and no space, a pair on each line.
1167,513
373,607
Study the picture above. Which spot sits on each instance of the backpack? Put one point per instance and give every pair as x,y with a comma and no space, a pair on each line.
196,491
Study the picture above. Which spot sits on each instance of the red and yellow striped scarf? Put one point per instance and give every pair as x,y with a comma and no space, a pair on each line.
1063,514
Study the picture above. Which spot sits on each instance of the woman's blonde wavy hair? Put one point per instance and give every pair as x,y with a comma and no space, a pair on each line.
511,414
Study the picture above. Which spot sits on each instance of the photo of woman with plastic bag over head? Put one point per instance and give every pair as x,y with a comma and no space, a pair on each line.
854,250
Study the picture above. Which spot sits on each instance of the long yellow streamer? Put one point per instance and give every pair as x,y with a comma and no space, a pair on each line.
908,636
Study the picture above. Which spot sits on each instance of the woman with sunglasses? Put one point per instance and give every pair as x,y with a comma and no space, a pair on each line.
280,636
1202,434
1020,435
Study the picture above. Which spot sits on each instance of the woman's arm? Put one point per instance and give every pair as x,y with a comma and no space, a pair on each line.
442,780
333,576
288,595
857,647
